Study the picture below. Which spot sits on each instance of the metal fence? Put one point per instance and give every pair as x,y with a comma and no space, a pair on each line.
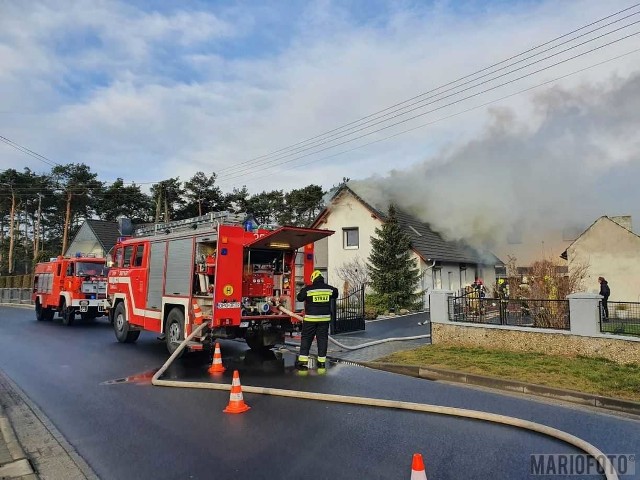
349,312
623,318
536,313
15,295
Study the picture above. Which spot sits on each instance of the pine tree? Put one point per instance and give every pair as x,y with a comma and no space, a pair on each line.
394,276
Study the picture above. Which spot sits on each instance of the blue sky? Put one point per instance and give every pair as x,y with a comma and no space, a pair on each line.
152,89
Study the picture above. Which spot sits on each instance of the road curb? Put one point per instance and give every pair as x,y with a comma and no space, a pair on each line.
17,305
66,462
20,466
572,396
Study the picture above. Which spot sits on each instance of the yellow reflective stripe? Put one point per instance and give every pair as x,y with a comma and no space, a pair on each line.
324,291
303,358
317,318
322,359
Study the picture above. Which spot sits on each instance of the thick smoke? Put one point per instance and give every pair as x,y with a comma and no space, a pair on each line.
576,159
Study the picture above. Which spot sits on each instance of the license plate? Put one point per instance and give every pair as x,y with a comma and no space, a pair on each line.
244,324
228,305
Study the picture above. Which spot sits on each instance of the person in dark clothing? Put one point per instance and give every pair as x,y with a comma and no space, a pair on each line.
605,291
317,299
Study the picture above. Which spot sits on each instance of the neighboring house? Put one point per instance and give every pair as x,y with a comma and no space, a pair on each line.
94,237
611,250
535,243
444,264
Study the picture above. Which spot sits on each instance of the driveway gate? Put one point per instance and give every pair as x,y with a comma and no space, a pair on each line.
348,315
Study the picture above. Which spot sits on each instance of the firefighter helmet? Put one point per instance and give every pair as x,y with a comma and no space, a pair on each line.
315,274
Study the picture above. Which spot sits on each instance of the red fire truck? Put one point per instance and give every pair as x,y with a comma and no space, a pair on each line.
69,285
210,269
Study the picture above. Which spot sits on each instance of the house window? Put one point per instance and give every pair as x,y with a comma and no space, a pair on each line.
437,278
350,238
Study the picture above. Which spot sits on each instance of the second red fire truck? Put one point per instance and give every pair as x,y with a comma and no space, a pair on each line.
210,269
70,286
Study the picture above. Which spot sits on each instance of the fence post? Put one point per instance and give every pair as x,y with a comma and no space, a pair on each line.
584,317
439,300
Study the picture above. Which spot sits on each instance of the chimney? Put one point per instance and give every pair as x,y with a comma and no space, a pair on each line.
623,221
125,226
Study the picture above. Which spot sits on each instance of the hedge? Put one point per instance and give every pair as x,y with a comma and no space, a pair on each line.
16,281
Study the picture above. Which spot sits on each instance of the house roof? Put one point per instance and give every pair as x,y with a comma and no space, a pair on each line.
564,254
426,242
106,233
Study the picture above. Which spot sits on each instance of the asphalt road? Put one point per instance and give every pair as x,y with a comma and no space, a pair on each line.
132,430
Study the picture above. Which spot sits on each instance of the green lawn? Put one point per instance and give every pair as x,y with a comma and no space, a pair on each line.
621,328
591,375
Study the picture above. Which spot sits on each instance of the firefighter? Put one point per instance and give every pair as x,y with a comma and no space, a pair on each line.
317,299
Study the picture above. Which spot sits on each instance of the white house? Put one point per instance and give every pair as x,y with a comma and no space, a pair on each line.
444,264
609,249
94,237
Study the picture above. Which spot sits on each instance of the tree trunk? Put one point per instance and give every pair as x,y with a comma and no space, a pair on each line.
11,232
36,234
158,206
67,219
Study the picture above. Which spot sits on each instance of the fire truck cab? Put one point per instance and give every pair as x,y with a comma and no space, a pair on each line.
226,274
70,285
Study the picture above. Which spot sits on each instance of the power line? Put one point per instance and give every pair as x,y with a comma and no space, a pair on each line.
454,114
390,110
363,128
376,114
464,111
29,152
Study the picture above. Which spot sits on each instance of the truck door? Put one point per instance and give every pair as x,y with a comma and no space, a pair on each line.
155,281
132,261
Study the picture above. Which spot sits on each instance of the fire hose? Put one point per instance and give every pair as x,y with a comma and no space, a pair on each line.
361,345
605,463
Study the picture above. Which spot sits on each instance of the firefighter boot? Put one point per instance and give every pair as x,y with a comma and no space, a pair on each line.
302,363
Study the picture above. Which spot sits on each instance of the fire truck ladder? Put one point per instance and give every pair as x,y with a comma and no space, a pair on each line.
212,219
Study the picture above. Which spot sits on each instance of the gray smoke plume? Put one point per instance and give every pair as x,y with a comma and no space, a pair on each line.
579,160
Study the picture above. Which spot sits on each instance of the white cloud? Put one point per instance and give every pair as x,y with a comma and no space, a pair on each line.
147,95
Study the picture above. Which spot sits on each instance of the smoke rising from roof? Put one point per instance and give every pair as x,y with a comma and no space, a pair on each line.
575,159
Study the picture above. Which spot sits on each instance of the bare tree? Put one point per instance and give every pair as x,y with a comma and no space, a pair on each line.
545,280
353,273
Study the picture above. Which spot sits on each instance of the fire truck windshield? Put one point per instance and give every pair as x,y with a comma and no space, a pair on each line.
84,269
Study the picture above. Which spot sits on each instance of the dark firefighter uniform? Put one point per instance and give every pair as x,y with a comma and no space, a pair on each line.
317,299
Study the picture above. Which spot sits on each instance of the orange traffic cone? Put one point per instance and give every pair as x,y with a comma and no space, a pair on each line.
197,314
236,403
216,365
417,468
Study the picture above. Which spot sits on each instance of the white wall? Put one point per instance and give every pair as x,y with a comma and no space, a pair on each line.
346,211
612,252
85,242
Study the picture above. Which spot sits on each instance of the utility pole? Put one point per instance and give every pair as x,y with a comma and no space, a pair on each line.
200,207
36,234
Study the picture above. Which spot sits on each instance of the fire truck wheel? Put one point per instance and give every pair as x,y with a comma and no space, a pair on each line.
68,314
121,327
174,329
40,312
256,343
